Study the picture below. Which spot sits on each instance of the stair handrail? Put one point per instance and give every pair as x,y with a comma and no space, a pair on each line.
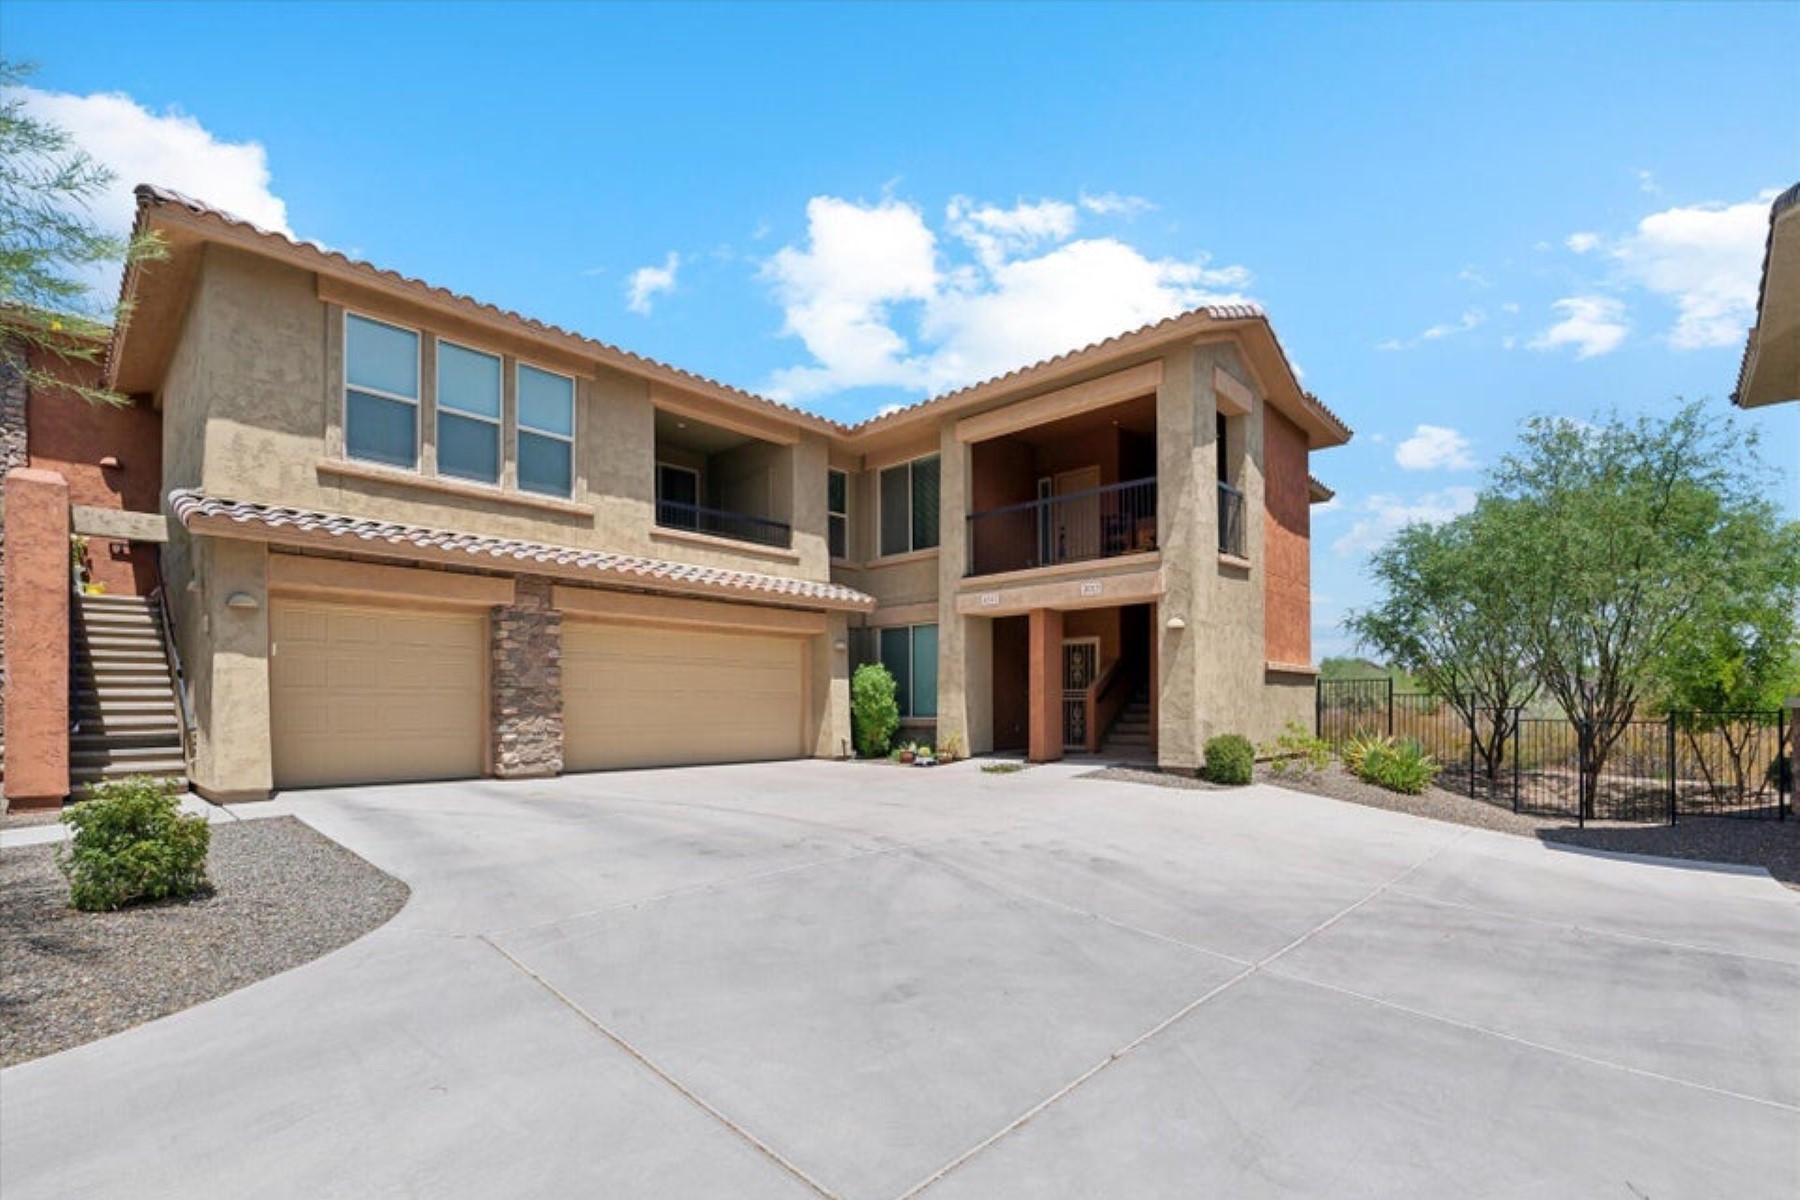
177,674
1090,698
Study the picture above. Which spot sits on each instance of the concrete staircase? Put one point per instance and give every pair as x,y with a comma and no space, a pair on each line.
125,717
1129,737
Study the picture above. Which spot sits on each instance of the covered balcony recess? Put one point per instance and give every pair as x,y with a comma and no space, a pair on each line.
1071,490
722,483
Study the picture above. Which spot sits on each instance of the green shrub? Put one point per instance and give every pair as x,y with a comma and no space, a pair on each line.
1356,751
874,712
1297,751
132,843
1230,758
1399,767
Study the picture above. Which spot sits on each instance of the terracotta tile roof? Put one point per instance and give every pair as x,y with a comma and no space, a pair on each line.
1783,202
197,511
151,196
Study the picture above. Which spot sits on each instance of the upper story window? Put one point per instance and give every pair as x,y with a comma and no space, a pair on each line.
468,413
381,392
909,506
546,431
837,509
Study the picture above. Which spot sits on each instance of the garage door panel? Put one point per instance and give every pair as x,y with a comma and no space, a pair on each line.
636,696
366,695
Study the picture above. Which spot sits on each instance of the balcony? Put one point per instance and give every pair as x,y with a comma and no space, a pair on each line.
722,482
1081,526
1231,521
673,514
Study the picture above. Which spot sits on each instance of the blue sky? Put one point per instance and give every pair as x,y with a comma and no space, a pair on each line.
1455,215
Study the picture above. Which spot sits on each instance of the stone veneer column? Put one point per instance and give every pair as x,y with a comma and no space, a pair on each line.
525,684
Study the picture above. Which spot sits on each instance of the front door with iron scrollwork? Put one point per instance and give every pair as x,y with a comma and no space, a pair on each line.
1080,667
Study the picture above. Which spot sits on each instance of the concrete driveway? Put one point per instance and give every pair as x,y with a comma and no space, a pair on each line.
858,981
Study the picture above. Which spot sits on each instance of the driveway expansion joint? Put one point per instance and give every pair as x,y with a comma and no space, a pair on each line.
773,1155
1175,1018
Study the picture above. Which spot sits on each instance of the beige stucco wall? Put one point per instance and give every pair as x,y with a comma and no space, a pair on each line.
267,397
229,676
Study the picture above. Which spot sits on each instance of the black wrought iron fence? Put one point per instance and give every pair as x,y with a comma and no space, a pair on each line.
1649,769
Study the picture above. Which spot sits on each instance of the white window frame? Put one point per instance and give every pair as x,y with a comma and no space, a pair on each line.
844,515
520,427
912,514
499,422
417,402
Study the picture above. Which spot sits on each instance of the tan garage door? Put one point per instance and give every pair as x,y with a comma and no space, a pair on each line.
375,695
635,696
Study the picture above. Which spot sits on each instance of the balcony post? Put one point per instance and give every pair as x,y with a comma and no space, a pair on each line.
1045,682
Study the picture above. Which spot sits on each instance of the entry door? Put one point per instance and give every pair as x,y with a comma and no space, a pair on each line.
1080,667
1072,525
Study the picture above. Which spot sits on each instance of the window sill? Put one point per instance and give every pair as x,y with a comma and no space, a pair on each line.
897,560
687,537
1236,562
370,473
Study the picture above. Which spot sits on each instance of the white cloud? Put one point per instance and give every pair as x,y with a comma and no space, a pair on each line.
1114,204
859,261
1583,243
1382,516
1473,278
643,285
1471,319
170,148
996,234
1434,448
1707,259
1594,325
1647,182
879,300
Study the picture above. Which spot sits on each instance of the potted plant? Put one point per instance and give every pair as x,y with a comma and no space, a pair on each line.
908,753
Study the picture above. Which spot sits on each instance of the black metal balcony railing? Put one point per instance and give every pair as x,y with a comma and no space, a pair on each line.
1231,521
1076,527
672,514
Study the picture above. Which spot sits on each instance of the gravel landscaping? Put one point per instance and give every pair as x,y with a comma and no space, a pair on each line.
282,895
1771,845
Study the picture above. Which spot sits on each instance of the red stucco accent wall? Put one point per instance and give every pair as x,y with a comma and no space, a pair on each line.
37,638
1287,543
70,435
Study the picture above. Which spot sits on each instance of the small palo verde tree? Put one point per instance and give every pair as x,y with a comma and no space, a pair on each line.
874,709
1623,541
1446,616
50,246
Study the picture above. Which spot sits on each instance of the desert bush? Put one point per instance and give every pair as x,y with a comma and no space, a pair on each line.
1399,767
874,712
1357,749
1230,758
1297,751
132,843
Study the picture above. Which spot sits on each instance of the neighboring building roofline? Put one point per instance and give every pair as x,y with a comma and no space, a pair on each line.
212,515
173,205
1317,492
1787,200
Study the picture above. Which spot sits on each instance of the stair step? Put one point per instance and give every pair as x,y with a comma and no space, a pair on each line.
114,688
142,758
101,635
89,705
103,656
101,725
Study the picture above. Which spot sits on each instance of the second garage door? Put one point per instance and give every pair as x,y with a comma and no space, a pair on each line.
375,695
637,696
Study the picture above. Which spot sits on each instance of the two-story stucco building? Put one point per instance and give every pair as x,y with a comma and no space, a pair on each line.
413,536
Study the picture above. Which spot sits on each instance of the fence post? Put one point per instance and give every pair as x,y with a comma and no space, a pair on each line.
1518,730
1319,708
1390,692
1672,799
1787,755
1471,750
1581,774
